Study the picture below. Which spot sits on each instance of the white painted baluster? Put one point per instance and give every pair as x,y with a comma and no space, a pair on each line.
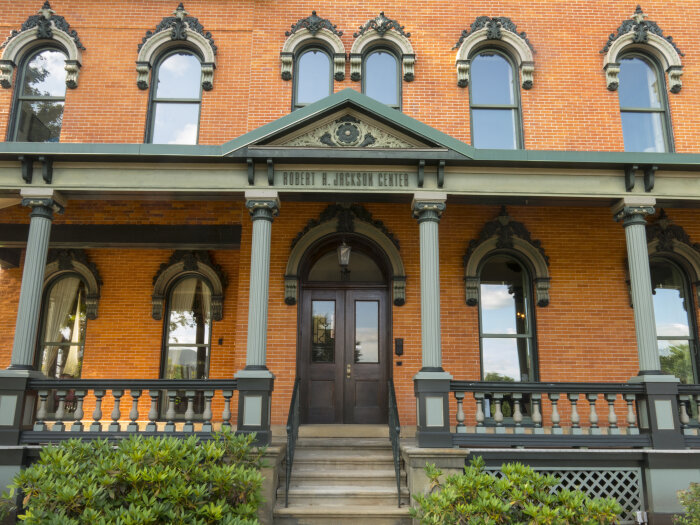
461,428
153,412
575,418
96,426
556,418
59,426
114,426
226,415
170,414
79,413
40,423
206,415
189,413
537,413
480,428
593,416
612,416
631,418
133,426
498,413
518,414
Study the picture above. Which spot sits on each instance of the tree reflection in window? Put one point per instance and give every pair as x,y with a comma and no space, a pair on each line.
40,97
323,331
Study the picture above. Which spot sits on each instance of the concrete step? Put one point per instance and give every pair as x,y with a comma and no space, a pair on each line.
368,478
335,495
344,443
344,431
342,515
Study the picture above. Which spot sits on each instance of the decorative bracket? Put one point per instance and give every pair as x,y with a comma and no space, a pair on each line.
649,175
27,168
270,172
441,174
421,173
630,176
251,171
46,169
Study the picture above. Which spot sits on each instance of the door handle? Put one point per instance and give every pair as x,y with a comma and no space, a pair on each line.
348,371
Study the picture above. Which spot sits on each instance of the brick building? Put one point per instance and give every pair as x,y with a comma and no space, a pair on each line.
180,187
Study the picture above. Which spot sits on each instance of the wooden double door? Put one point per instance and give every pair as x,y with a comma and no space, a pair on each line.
344,357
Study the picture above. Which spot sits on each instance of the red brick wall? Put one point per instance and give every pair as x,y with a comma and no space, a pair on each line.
569,107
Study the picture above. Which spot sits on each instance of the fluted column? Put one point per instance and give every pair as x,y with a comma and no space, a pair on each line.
43,204
428,208
632,213
263,207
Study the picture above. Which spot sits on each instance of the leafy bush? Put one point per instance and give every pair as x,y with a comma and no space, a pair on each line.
144,481
690,499
521,496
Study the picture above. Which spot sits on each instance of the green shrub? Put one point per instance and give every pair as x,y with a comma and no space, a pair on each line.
690,499
521,496
144,481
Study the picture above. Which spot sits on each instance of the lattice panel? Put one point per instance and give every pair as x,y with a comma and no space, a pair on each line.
623,484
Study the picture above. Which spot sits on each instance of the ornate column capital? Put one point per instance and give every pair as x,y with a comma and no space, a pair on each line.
262,204
428,206
43,202
633,210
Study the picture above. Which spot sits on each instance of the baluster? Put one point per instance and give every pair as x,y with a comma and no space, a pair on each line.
556,418
461,428
537,413
58,426
631,418
498,413
684,407
134,412
114,426
593,416
96,426
575,419
170,414
612,416
189,413
480,428
697,407
226,414
79,413
153,412
518,414
40,423
206,415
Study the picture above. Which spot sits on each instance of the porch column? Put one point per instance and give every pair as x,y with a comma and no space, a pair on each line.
658,408
43,203
432,383
256,382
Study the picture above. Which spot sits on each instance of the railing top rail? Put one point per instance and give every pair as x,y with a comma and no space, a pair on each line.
295,394
133,384
526,388
689,389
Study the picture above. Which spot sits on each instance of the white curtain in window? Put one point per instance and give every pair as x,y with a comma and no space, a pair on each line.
182,298
206,302
73,361
61,299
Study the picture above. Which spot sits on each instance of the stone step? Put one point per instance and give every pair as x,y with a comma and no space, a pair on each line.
335,495
343,443
341,515
370,478
344,431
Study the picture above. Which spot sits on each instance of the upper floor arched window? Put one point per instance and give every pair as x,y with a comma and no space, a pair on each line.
40,96
176,96
313,79
494,102
381,77
643,106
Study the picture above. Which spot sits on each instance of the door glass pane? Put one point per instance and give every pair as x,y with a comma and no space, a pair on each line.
45,75
381,77
179,76
39,121
670,303
366,331
313,76
494,128
643,131
322,331
675,359
639,84
507,359
175,123
492,80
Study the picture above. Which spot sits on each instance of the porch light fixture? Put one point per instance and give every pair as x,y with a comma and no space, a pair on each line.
344,259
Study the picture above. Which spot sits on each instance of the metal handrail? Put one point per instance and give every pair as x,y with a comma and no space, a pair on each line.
292,435
394,436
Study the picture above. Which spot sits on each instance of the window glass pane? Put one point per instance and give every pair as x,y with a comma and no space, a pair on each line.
675,359
366,331
494,128
45,75
643,131
189,312
503,301
362,268
65,319
185,363
670,301
639,84
179,76
39,121
313,76
381,77
175,123
323,331
506,359
491,80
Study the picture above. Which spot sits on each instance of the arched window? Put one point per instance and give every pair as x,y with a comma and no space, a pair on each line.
494,102
40,96
64,320
313,79
643,107
381,77
506,321
675,329
176,96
